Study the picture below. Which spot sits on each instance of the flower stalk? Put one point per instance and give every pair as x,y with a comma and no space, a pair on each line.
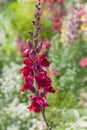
45,120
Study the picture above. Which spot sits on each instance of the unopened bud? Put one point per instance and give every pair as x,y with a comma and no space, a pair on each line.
30,32
39,47
38,6
36,40
36,14
38,18
38,28
34,22
29,42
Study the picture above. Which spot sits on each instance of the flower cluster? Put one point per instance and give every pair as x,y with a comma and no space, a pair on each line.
36,79
57,20
70,31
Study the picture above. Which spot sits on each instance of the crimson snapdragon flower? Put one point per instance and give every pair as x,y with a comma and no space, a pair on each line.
34,72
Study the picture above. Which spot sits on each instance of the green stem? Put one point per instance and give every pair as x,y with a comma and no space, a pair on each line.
45,120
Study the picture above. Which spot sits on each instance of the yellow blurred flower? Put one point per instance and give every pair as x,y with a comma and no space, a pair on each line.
83,26
63,33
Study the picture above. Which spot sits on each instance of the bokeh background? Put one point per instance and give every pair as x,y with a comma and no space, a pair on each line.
64,33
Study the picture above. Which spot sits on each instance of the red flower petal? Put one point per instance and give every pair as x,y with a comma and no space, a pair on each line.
43,80
25,70
45,62
42,101
34,107
28,62
24,87
51,90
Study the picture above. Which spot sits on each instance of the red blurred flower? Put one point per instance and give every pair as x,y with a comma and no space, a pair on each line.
57,20
21,44
46,45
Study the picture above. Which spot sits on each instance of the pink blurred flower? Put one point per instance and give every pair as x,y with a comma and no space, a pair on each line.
83,62
21,44
80,12
46,45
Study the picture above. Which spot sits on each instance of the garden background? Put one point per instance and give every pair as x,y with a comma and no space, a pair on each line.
64,36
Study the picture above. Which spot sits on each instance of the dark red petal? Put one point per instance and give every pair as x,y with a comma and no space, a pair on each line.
43,56
28,62
45,62
51,90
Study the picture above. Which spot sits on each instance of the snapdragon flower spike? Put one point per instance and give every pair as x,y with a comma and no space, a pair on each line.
36,79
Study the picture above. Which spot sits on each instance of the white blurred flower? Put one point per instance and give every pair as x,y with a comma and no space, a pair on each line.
12,127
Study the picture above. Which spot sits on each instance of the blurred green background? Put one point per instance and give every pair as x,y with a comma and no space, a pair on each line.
68,106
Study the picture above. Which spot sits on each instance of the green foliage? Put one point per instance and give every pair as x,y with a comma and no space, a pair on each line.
8,49
70,75
22,17
21,14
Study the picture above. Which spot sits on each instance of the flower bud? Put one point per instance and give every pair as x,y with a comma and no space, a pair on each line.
38,28
36,40
36,14
29,42
38,6
38,18
34,22
39,47
30,32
